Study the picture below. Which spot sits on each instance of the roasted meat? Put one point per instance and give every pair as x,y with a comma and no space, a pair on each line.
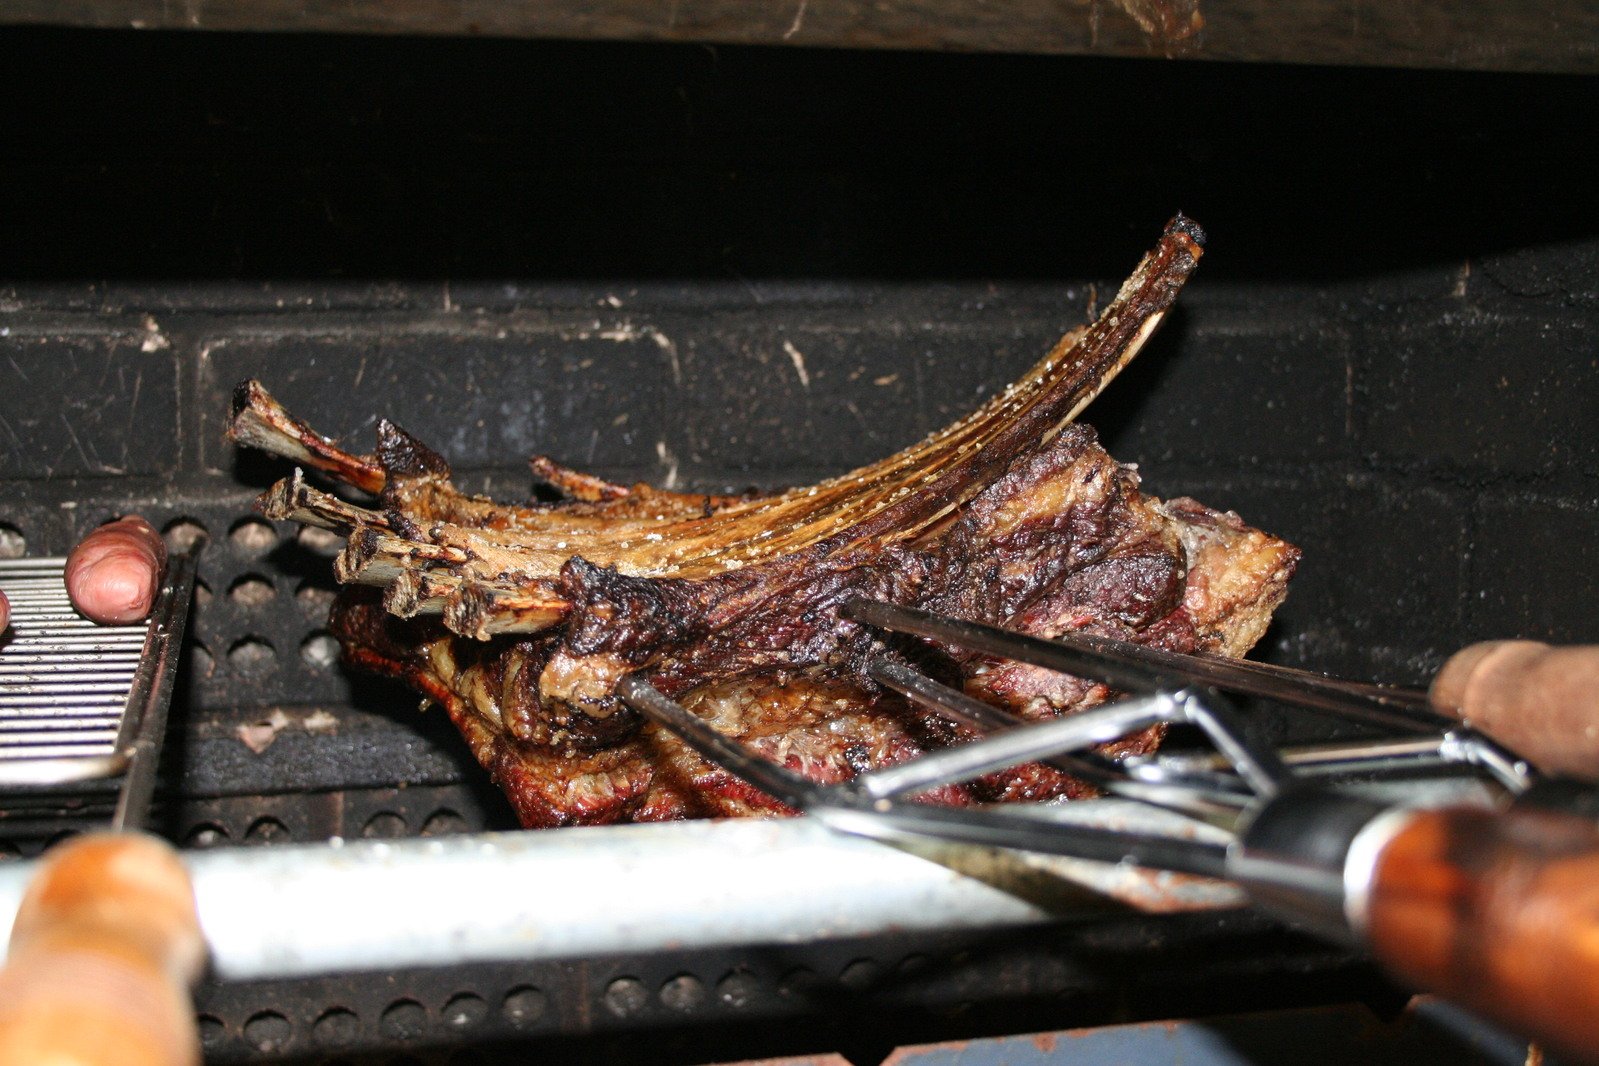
520,620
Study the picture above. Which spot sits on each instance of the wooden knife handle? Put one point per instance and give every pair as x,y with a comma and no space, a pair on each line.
1539,700
1498,911
105,945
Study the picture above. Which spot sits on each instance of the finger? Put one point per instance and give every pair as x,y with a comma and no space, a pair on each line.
5,612
1541,701
112,575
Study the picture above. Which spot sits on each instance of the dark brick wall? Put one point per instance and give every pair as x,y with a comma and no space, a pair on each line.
739,267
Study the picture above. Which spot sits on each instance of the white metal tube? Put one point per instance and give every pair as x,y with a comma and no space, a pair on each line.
371,905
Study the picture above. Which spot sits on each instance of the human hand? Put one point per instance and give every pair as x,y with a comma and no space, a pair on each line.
112,576
1540,700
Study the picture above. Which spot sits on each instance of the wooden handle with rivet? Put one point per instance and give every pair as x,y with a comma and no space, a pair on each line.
1498,911
1539,700
105,945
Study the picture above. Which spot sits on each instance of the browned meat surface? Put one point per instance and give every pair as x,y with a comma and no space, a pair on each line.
521,620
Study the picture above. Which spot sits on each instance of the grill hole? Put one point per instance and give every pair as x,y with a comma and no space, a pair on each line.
252,590
404,1019
314,597
737,989
465,1011
443,822
266,830
202,663
181,534
206,835
252,656
384,825
913,965
337,1027
523,1005
252,535
13,545
799,983
626,996
317,539
860,973
684,993
211,1030
320,651
202,593
268,1031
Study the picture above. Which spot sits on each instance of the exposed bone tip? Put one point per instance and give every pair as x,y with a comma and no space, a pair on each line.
281,500
466,612
245,394
1181,223
403,598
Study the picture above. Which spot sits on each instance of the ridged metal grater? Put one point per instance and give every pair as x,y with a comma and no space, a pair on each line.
81,702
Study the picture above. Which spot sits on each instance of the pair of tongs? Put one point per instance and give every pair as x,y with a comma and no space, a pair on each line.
1496,907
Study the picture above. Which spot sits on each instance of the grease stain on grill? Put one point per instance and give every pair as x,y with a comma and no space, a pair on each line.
337,1027
268,1031
465,1011
626,997
404,1019
253,536
523,1006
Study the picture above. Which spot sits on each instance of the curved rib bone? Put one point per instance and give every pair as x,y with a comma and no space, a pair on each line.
898,499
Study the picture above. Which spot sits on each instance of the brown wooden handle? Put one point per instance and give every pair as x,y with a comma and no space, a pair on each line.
1500,912
105,944
1539,700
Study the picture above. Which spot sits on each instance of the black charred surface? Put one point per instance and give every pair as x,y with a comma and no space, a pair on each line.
628,616
403,456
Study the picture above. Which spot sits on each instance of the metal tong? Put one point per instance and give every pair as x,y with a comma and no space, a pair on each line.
1494,906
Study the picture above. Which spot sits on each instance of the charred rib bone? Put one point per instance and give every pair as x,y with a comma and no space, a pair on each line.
521,620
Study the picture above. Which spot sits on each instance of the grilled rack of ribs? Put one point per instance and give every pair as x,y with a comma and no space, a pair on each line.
520,620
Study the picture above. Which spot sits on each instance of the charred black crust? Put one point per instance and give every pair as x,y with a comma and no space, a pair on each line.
241,396
621,615
1181,223
402,455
